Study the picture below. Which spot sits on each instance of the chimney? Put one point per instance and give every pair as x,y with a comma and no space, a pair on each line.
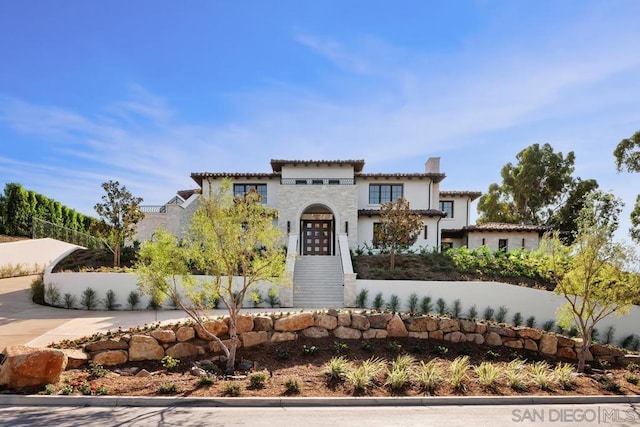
432,165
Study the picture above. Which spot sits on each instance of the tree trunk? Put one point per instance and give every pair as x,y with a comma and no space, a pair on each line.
233,338
392,257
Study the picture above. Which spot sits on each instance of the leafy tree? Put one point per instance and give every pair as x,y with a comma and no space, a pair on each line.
627,154
228,238
399,228
592,273
539,189
120,212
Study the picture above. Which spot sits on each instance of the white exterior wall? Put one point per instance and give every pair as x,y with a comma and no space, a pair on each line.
319,171
175,220
365,233
416,191
460,213
532,239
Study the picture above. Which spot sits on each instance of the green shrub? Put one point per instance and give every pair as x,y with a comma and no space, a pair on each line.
517,319
257,379
169,362
96,370
361,298
429,376
364,375
456,309
412,303
336,368
458,370
49,389
609,384
154,303
439,350
488,313
133,300
565,375
378,301
488,374
367,345
548,325
37,290
89,299
473,313
515,375
394,303
399,375
531,322
441,307
292,386
501,315
425,305
340,347
282,354
53,295
609,335
393,347
232,389
256,297
110,300
542,376
167,388
206,381
310,349
272,297
69,300
632,378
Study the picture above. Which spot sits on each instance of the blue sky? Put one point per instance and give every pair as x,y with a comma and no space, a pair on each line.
146,92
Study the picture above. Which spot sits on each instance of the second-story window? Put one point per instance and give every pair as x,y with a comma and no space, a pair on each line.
446,206
382,193
239,190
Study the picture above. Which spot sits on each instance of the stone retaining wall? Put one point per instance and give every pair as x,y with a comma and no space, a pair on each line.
189,341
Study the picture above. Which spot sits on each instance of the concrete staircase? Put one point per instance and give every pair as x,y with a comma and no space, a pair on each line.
318,282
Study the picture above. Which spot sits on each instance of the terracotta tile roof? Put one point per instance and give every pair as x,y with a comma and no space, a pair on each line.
185,194
423,212
435,177
455,193
505,227
198,177
276,164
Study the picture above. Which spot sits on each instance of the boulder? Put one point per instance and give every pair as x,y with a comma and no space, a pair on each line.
475,338
396,328
111,357
436,335
143,347
283,336
216,327
512,343
565,341
262,323
244,323
481,328
182,350
164,336
344,319
215,347
566,353
548,344
360,321
379,320
419,335
75,358
503,331
448,325
315,332
600,350
295,322
492,338
109,344
422,324
31,367
326,321
530,344
185,333
588,357
455,336
468,326
250,339
374,334
345,333
530,333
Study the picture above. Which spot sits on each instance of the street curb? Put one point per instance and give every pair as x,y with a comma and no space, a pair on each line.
291,402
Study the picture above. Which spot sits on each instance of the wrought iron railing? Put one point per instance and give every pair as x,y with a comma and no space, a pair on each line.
317,181
42,229
153,209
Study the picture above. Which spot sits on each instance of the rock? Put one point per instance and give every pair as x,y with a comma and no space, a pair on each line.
512,343
468,326
283,336
262,323
608,359
215,347
477,339
530,344
185,333
198,372
164,336
492,338
315,332
566,353
548,344
419,335
379,320
325,321
127,372
345,333
215,327
436,335
360,321
109,344
503,331
295,322
143,374
245,365
143,347
182,350
565,341
332,312
530,333
396,328
448,325
250,339
422,324
599,350
31,367
374,334
616,352
75,358
111,357
588,357
481,328
244,323
455,336
344,319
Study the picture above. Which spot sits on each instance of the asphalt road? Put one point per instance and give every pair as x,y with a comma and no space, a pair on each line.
450,416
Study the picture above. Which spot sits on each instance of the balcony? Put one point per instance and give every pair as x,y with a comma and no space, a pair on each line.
317,181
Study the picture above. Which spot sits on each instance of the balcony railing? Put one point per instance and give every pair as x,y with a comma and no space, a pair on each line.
154,209
317,181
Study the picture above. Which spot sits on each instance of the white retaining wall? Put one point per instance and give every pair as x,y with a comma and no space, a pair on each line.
529,302
34,255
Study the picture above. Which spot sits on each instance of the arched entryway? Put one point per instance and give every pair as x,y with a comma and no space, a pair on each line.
317,231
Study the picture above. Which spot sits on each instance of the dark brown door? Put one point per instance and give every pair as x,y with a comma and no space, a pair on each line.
317,237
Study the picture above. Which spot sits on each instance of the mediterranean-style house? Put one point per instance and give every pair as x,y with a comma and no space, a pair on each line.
328,208
317,200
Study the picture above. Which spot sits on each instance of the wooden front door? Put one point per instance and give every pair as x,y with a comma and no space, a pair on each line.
317,237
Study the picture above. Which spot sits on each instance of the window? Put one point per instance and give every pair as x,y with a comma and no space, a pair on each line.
444,246
301,182
382,193
524,243
376,234
316,181
239,190
484,242
503,245
334,182
446,206
426,232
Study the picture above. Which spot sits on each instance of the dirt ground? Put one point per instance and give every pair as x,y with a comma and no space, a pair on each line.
307,369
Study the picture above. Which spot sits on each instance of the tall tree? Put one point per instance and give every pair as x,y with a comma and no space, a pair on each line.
233,240
539,189
399,228
120,212
627,154
592,274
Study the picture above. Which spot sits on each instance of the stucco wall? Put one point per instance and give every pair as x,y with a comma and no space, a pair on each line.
532,240
314,171
529,302
365,233
416,191
175,220
460,213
